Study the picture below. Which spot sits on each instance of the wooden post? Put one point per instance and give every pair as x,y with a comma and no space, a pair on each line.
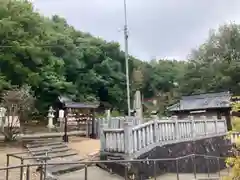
65,136
128,143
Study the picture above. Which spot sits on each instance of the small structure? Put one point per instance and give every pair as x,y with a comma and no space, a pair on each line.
209,105
78,113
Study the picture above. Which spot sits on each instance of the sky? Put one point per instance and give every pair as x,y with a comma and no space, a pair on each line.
157,28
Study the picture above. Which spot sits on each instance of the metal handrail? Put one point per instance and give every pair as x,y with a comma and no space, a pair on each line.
90,163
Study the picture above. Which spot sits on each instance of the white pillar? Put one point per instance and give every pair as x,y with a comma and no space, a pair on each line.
102,136
128,142
193,129
61,119
108,114
2,115
215,118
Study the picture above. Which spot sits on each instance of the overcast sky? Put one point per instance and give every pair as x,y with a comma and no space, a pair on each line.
157,28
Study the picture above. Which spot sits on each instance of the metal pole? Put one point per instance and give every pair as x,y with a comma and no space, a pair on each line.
219,167
126,173
21,169
126,57
208,170
41,172
85,172
154,170
7,171
194,166
28,173
177,170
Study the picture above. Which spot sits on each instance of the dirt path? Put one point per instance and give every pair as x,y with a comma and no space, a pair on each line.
14,174
85,147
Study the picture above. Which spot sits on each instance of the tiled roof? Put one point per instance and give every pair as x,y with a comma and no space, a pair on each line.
202,101
68,103
80,105
64,99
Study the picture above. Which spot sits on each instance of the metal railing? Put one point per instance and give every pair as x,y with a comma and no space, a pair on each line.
129,169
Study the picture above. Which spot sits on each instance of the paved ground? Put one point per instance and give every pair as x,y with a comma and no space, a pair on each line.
89,146
94,173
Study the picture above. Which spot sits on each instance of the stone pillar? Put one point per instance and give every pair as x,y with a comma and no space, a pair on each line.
204,118
191,118
128,136
176,129
215,124
155,131
102,126
50,118
61,119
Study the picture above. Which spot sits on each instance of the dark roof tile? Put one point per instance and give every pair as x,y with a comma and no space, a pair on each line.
202,101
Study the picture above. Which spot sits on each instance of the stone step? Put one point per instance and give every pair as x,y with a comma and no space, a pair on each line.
44,144
57,155
57,150
65,168
47,148
115,158
42,141
73,158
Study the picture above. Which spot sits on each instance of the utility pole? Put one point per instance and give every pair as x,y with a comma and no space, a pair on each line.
126,57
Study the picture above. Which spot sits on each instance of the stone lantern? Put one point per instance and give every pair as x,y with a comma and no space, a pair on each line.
50,117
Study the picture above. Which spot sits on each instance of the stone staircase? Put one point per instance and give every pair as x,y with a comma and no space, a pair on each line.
54,151
161,139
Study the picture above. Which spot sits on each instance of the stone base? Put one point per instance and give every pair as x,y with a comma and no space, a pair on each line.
216,146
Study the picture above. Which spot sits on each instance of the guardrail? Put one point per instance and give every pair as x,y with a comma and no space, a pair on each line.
26,173
131,139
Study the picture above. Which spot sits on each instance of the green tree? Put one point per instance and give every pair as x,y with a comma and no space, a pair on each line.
54,59
215,65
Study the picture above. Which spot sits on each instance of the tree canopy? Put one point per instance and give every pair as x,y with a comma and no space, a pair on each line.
53,58
215,65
